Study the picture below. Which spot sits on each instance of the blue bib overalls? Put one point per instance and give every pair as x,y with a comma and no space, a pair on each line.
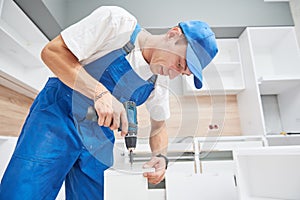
58,143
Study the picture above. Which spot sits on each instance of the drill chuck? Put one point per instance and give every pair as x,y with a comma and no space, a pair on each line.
130,142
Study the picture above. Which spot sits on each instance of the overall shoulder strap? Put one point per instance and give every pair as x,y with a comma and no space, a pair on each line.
127,48
130,45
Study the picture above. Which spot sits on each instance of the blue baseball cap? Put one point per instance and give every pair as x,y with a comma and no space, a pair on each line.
201,49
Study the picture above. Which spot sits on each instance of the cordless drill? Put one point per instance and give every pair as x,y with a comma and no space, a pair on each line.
131,136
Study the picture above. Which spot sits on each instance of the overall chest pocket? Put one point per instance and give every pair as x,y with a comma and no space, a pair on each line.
125,84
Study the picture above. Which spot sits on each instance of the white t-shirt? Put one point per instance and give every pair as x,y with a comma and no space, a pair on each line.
109,28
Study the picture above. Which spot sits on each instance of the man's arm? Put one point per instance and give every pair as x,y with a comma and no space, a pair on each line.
159,145
158,137
65,65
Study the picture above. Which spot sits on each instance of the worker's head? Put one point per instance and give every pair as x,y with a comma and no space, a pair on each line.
201,48
186,49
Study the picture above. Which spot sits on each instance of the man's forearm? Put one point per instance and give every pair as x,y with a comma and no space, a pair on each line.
158,137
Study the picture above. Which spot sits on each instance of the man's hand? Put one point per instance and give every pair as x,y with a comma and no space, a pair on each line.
159,164
111,113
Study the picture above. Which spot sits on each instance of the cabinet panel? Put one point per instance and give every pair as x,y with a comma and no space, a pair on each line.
268,173
200,186
249,102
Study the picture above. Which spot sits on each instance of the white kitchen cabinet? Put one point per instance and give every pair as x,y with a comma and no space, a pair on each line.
270,103
129,184
224,75
268,173
21,44
276,59
200,186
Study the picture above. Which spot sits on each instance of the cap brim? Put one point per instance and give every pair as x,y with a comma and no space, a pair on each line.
194,66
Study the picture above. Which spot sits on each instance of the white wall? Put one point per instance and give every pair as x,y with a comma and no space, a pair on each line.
57,8
295,10
167,13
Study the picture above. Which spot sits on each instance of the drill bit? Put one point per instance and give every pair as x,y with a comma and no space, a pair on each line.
131,157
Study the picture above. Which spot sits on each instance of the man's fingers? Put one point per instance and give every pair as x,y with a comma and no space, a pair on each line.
154,177
101,119
104,117
151,162
124,123
157,176
116,122
112,114
108,120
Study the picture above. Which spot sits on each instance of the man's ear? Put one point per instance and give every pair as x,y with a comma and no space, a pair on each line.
174,33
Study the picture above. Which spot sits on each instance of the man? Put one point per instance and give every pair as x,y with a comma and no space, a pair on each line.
101,61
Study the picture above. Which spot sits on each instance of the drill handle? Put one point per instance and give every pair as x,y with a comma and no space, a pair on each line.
131,113
93,116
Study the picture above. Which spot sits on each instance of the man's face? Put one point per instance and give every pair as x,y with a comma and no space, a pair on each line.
170,58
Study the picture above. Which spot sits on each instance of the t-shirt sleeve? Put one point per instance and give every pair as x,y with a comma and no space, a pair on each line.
158,102
97,31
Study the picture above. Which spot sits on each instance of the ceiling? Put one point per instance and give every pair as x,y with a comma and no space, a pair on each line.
228,18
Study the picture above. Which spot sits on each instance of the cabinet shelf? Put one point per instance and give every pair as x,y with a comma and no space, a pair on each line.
277,84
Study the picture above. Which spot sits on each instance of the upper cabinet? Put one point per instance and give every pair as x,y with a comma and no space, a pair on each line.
271,60
21,43
276,61
276,58
224,75
262,68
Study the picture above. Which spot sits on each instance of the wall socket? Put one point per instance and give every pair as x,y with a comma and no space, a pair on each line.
213,127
